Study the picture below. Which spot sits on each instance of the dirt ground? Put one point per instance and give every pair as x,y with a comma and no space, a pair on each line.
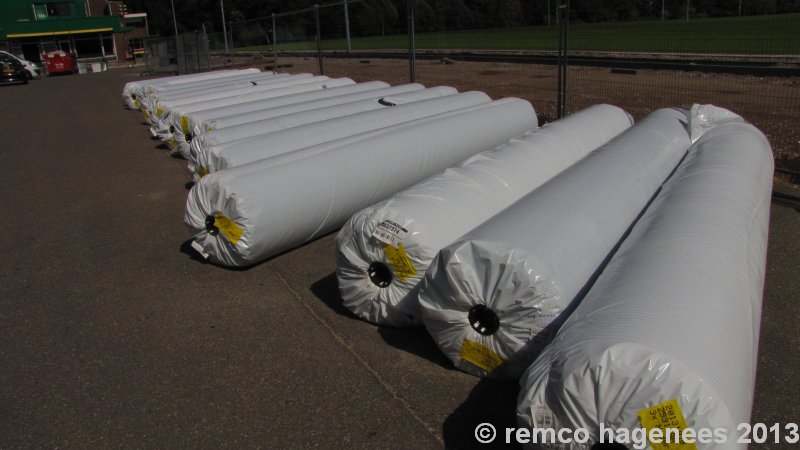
771,103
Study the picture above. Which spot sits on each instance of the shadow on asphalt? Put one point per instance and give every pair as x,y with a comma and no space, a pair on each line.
327,290
490,401
186,249
416,341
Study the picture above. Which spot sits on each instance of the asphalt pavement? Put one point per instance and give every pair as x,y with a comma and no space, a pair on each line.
115,335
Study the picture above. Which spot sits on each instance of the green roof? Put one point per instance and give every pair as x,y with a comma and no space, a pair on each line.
52,27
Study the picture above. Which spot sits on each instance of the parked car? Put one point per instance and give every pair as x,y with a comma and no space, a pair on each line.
11,70
30,68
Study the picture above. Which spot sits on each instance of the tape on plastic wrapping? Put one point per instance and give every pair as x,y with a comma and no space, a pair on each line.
228,228
159,112
185,124
480,355
399,262
665,416
202,171
136,104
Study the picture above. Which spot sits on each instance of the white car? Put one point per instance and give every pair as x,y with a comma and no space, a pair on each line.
29,66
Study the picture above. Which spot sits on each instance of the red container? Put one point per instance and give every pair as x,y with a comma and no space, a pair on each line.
60,62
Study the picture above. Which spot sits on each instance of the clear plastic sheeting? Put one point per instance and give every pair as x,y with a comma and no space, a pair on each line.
674,317
247,214
435,212
129,92
182,111
296,131
500,286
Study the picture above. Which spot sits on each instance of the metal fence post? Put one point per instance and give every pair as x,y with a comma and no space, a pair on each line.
563,34
412,58
319,40
347,27
274,45
224,30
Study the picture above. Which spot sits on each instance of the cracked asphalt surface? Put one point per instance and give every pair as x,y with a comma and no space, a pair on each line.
114,335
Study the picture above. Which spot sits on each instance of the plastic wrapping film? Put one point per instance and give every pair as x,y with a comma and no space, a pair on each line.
500,286
275,120
131,88
432,214
162,106
284,106
673,321
134,89
182,111
247,214
261,82
203,121
261,140
150,95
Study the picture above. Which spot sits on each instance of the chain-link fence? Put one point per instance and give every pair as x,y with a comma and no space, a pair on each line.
638,55
182,54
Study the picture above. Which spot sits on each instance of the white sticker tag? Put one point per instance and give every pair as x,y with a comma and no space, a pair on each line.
153,132
199,249
390,233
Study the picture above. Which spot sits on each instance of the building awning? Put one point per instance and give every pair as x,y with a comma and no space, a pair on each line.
53,27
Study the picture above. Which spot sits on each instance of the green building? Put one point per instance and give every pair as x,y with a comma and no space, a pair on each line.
93,30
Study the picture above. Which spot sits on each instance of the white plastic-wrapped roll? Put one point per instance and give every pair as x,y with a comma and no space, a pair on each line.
209,120
673,321
255,83
243,144
164,105
496,288
221,122
148,99
181,112
135,89
432,214
207,116
247,214
131,87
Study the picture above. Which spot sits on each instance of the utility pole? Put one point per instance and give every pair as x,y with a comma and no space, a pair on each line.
224,30
662,9
347,27
687,10
177,47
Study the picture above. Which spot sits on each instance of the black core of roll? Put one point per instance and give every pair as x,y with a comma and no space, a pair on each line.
483,320
380,274
210,227
133,96
188,137
172,128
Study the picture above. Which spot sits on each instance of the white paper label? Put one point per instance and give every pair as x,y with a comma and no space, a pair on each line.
390,233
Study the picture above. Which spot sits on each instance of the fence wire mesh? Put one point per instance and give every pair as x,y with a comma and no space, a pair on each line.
641,57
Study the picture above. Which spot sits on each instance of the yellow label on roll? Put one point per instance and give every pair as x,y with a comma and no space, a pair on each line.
159,112
202,171
399,262
668,417
136,104
146,115
172,143
228,228
185,124
480,355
